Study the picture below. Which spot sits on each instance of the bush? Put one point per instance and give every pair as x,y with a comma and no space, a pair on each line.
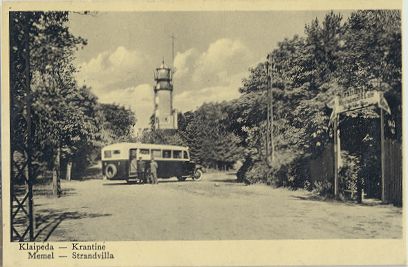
348,176
323,188
243,169
254,172
307,185
286,171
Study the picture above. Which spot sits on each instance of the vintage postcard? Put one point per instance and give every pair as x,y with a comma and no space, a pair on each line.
202,133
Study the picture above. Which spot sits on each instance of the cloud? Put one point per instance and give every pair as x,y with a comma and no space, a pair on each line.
223,58
138,98
215,66
212,75
183,62
121,76
111,70
192,99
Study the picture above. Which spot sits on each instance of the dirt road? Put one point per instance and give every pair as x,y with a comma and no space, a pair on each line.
216,208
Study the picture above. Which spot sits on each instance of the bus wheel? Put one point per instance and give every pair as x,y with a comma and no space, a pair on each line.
198,175
110,171
181,178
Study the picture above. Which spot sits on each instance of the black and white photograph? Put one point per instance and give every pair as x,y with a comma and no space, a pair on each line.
203,126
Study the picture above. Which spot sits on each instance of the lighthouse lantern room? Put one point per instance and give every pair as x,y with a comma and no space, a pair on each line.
165,117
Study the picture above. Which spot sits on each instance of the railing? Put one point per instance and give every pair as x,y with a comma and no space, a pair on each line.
393,172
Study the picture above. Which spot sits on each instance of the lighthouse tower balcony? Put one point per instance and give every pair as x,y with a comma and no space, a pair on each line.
163,77
164,114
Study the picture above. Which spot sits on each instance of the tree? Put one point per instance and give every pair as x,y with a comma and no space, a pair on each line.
371,56
307,72
62,113
117,123
207,134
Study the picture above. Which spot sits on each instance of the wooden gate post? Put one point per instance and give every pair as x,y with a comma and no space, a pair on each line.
383,192
336,156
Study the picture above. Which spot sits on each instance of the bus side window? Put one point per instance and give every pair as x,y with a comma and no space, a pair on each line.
107,154
156,153
185,154
177,154
116,152
144,151
166,154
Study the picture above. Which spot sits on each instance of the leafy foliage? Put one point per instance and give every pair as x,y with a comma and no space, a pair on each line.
333,57
206,132
211,142
62,113
67,121
117,123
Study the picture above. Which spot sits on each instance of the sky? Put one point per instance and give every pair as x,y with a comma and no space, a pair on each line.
213,52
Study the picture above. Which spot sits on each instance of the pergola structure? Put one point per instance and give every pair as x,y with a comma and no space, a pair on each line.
350,101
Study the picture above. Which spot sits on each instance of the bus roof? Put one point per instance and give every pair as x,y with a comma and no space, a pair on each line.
121,146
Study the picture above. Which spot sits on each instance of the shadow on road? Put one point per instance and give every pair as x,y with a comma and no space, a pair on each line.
310,197
120,183
366,202
48,221
43,191
161,181
165,181
229,180
226,177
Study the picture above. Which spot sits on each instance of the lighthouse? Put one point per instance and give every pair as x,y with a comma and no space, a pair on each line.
165,117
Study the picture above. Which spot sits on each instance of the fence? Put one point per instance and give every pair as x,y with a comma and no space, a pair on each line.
321,169
393,172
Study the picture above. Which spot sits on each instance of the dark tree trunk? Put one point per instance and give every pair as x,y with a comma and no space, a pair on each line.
69,170
56,174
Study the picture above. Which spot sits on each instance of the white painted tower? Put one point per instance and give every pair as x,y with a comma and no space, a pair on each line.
165,117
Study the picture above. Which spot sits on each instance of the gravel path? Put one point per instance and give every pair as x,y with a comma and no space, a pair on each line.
215,208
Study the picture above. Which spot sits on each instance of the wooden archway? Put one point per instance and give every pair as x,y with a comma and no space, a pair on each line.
350,101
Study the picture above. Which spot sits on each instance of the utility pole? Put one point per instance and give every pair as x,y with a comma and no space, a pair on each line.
269,115
267,136
172,70
172,49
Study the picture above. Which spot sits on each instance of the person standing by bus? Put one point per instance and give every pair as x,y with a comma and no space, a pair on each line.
153,171
133,163
147,176
141,170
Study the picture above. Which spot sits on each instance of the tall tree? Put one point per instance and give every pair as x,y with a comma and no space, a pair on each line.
306,73
117,123
210,140
62,112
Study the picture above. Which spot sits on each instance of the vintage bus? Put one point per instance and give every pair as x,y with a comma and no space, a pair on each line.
119,161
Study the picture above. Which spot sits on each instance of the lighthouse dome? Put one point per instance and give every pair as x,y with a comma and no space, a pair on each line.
163,74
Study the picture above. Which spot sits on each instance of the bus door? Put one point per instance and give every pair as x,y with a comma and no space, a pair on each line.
132,162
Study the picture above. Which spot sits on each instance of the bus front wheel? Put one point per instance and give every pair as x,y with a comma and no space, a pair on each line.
198,175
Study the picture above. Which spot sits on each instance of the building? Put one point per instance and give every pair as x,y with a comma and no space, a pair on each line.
165,117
